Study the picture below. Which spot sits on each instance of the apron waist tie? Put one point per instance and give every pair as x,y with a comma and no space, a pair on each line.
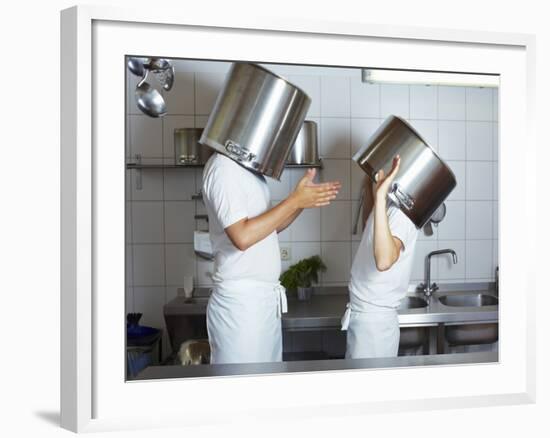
282,304
346,317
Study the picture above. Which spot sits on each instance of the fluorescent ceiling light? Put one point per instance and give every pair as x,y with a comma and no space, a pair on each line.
428,78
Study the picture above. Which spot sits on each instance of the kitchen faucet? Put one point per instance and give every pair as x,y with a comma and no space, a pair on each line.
426,287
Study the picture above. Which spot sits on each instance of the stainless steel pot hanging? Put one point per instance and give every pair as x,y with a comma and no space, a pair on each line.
424,180
256,118
187,147
306,147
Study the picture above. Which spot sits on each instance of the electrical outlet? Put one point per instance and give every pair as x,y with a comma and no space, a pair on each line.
285,253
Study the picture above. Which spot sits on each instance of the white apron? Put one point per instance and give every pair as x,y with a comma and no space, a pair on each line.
244,322
372,331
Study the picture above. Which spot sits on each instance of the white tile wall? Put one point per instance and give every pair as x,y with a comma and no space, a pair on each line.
335,138
460,123
479,141
394,99
479,220
335,221
148,265
453,227
335,96
147,222
452,140
479,103
179,221
423,102
365,99
208,84
479,180
145,136
451,103
181,98
479,259
338,170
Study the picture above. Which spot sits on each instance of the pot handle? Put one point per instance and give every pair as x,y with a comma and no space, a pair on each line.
238,152
404,199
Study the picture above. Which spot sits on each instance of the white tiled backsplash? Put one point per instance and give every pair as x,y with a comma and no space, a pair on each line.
460,123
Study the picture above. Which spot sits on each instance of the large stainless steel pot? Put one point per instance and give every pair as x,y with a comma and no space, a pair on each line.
306,146
423,182
256,118
187,147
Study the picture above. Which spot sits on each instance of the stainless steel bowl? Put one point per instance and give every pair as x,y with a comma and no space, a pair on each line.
306,146
256,119
424,180
187,148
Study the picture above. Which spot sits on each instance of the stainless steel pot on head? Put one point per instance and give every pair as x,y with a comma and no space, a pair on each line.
256,118
424,180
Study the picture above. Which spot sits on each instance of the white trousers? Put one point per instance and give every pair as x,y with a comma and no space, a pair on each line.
244,323
371,333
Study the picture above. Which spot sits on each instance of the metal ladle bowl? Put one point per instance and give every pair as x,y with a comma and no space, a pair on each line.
436,218
148,99
135,65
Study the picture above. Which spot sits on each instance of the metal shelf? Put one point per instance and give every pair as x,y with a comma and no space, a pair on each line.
139,166
160,166
183,166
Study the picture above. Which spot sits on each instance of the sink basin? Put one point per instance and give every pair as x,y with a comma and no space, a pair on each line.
468,300
412,303
412,337
471,334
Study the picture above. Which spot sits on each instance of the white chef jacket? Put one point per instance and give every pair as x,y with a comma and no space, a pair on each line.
371,318
231,193
245,307
383,288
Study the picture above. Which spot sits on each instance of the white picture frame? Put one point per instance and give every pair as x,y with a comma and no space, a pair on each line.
94,395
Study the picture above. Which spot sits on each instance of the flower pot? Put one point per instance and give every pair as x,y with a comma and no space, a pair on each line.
304,293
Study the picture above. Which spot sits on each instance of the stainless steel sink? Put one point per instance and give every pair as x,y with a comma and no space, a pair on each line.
412,303
470,334
412,337
468,300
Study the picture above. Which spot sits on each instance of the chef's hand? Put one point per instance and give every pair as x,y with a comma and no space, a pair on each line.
383,183
308,194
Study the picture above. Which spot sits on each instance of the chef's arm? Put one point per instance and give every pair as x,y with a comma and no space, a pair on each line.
386,247
368,199
247,232
289,221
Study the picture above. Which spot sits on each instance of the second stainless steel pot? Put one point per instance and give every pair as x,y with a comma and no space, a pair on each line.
306,146
424,180
187,147
256,118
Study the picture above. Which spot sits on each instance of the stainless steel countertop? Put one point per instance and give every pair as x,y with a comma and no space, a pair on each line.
327,305
178,371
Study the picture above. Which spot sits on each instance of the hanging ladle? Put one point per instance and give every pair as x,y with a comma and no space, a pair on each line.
148,99
436,218
136,66
164,70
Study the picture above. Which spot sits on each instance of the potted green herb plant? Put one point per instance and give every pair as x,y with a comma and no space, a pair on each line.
301,275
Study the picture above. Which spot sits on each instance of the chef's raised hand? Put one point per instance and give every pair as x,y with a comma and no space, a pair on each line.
308,194
383,182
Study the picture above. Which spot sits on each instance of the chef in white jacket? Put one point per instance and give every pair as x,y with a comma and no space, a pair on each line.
380,273
247,300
